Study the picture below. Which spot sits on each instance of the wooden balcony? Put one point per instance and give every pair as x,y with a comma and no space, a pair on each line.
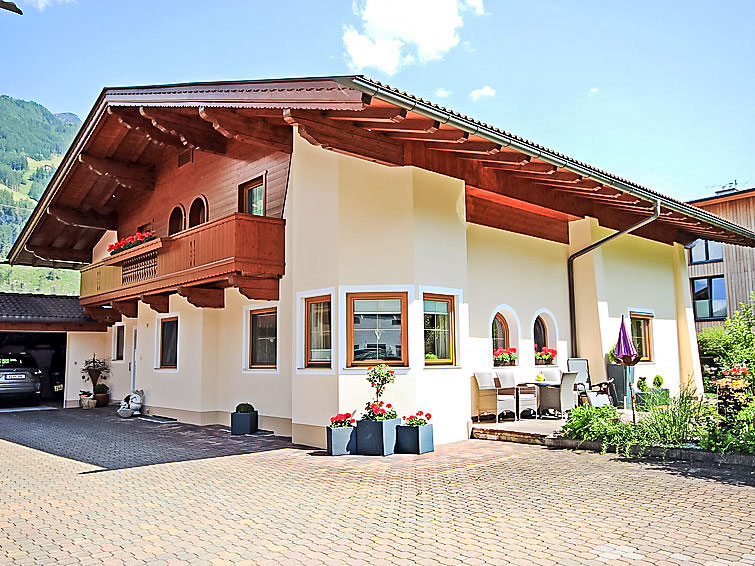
239,250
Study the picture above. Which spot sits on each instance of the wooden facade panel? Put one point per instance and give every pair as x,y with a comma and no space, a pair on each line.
707,269
216,177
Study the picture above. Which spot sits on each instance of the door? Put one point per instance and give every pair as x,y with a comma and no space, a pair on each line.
133,361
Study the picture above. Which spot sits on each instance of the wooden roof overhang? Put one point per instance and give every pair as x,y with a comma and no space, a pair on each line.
512,184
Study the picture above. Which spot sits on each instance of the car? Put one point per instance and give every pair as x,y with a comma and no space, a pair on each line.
20,377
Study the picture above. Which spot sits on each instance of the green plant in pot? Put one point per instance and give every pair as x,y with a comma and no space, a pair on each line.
102,395
245,419
376,430
646,397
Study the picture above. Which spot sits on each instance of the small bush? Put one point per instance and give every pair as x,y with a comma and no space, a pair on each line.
642,384
101,389
244,408
657,381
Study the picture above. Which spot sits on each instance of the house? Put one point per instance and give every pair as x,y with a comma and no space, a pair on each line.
306,229
722,276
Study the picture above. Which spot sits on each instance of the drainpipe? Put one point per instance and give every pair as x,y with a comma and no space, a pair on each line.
588,249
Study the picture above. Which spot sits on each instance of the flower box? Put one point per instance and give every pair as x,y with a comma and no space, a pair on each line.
342,440
376,438
414,439
244,423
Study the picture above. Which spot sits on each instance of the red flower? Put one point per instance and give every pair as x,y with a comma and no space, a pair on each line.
380,403
513,350
388,406
352,421
392,372
428,416
332,419
347,415
419,413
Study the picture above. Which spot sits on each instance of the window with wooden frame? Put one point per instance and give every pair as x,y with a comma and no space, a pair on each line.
642,335
500,332
263,338
176,220
252,197
168,355
439,329
119,344
318,351
198,211
376,329
540,334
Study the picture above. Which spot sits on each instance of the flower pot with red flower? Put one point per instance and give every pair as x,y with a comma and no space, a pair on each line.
342,437
129,242
504,357
376,430
545,356
415,435
245,420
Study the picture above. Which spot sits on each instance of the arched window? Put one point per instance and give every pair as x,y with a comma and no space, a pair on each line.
197,212
540,334
500,332
176,221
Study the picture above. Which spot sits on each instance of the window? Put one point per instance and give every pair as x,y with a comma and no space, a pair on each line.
198,212
168,342
704,250
144,227
263,335
709,298
176,221
252,197
439,324
119,334
376,328
318,348
641,334
500,332
540,334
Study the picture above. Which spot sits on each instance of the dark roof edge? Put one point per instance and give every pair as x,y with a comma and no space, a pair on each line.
495,135
724,196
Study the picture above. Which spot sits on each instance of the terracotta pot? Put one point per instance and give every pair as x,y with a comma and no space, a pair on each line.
103,399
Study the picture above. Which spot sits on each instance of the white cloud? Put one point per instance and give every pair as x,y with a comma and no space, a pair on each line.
594,91
396,33
442,92
485,91
42,4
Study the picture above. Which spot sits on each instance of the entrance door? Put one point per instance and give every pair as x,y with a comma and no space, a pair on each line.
133,361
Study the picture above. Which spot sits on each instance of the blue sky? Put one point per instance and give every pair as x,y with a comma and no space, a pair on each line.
659,92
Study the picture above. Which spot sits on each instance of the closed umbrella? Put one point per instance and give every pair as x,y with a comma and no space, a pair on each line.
11,7
626,351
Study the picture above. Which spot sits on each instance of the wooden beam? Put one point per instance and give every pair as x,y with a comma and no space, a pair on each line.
249,130
256,289
481,148
158,303
203,297
368,115
60,254
440,136
79,219
544,168
347,140
91,326
410,125
131,175
137,123
196,135
128,308
103,315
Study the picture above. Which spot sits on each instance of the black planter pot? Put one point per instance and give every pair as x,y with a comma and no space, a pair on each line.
342,440
414,439
376,438
244,423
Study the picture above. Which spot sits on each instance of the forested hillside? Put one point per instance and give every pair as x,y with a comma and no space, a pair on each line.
32,141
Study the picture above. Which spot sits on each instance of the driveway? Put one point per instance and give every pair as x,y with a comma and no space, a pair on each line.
195,495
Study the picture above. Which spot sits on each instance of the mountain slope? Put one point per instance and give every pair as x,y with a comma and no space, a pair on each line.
32,141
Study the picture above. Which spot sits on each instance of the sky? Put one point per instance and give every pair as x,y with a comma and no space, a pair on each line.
659,92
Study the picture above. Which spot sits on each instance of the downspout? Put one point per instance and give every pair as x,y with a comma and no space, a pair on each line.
588,249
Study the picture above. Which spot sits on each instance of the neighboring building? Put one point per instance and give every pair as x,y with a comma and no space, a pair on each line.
309,228
722,276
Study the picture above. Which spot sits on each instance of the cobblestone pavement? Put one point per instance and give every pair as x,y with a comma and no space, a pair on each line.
268,502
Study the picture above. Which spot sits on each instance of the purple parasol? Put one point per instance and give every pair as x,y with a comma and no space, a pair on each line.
625,348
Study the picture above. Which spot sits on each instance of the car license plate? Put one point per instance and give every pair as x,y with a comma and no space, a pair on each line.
15,376
58,387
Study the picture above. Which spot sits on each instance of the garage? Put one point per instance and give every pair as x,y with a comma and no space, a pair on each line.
35,332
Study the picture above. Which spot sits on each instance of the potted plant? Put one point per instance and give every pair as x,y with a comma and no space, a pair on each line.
131,241
342,438
545,356
415,436
504,357
94,369
244,420
646,397
87,400
102,395
376,430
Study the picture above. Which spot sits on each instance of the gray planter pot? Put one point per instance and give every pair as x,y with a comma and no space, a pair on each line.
650,398
244,423
376,438
414,439
616,372
342,440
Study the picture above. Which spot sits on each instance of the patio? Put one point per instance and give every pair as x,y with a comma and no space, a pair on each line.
470,502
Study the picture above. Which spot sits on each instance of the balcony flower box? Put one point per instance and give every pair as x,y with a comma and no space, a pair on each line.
128,242
134,251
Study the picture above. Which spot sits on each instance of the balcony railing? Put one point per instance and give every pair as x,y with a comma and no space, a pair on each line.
223,252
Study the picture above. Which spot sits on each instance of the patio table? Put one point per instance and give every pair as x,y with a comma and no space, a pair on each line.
530,381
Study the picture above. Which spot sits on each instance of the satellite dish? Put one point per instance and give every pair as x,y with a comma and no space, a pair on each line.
11,7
